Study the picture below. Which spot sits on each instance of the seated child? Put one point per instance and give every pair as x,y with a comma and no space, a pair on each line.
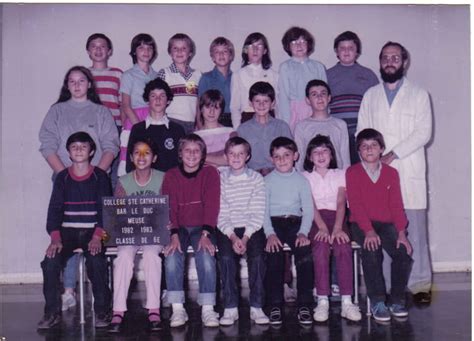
318,96
194,194
77,192
328,185
240,231
183,81
379,221
142,180
262,128
163,132
212,132
288,215
222,54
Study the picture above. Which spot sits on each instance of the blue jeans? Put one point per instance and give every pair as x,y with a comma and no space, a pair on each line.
205,266
228,261
70,272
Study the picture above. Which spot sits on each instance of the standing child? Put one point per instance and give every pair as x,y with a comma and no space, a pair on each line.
142,180
157,127
379,222
328,185
288,215
194,193
295,73
183,81
134,109
256,66
75,221
318,96
212,132
262,129
222,54
240,231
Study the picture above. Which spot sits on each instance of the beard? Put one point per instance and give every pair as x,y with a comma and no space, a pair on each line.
392,77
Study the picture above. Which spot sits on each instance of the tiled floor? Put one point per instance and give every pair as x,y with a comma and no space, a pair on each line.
448,318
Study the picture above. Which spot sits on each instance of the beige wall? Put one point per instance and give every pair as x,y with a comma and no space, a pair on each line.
40,42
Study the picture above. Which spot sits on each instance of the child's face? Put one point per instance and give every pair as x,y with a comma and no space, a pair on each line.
299,48
78,84
321,157
158,101
284,159
346,51
144,53
98,50
191,155
211,113
256,51
370,151
142,156
180,52
318,98
237,156
221,56
80,152
262,104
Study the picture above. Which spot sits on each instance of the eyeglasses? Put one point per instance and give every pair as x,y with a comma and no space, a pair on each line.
256,46
394,59
299,42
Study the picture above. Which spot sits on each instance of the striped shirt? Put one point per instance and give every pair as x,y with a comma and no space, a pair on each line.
107,83
242,201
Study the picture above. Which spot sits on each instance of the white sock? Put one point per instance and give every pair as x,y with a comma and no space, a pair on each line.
320,298
232,310
207,307
346,299
177,306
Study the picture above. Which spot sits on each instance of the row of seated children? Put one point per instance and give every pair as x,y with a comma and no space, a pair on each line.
195,210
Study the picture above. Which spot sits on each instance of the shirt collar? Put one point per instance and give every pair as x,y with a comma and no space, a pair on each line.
373,175
186,74
151,121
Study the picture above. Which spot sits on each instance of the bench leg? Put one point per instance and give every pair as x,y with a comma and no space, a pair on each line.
81,289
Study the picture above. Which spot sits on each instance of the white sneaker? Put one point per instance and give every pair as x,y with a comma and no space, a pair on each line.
178,318
229,317
68,301
210,318
350,311
321,312
258,316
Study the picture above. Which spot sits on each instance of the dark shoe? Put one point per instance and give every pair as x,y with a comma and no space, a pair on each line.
154,326
275,316
304,316
102,320
49,321
422,298
116,327
398,310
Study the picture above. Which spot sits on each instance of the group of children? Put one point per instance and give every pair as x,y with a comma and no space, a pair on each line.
245,191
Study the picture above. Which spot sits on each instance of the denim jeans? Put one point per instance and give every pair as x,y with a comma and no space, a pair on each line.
228,261
286,230
372,263
205,266
70,272
73,238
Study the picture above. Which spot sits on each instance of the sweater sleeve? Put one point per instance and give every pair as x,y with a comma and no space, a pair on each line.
256,208
299,140
345,155
355,199
307,206
267,222
284,93
235,105
56,206
223,221
49,134
211,197
108,138
396,203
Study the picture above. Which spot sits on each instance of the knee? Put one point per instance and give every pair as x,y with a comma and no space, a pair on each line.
124,262
174,262
207,262
342,250
51,265
320,249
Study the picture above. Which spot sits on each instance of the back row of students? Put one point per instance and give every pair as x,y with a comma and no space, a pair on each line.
193,188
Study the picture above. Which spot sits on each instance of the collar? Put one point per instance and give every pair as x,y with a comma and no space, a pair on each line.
285,174
217,73
294,60
151,121
189,175
186,74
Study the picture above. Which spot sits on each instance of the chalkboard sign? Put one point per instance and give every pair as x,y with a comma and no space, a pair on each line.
136,220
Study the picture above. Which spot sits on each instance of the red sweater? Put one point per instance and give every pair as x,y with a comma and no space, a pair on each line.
381,201
194,199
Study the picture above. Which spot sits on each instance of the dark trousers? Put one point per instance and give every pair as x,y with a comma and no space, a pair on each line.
372,263
228,261
73,238
286,230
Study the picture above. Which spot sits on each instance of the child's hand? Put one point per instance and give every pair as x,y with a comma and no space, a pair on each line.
372,241
402,239
236,243
95,245
339,236
206,245
301,240
244,240
322,236
53,248
273,243
173,245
